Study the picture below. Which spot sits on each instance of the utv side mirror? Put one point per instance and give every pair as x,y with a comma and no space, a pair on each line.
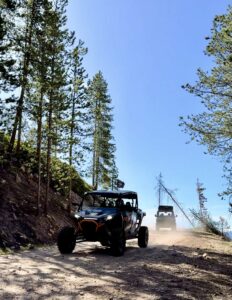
155,215
176,216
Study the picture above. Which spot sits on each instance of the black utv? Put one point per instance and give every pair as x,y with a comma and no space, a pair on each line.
109,217
165,218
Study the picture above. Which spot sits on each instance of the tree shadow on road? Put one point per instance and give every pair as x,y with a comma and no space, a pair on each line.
158,272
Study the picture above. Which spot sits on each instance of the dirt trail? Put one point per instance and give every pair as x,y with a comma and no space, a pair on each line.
183,265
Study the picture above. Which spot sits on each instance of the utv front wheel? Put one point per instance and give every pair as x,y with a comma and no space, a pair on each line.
66,240
143,237
118,246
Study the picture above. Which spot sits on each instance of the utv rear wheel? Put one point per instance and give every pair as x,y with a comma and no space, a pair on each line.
143,237
118,246
66,240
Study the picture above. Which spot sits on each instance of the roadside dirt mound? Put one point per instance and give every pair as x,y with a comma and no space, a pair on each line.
20,225
184,265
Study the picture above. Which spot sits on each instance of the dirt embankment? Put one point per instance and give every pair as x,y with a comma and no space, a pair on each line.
19,223
184,265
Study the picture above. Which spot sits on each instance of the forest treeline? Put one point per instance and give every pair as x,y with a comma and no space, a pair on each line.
48,103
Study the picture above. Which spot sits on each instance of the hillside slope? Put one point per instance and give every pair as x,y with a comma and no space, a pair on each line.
181,265
19,223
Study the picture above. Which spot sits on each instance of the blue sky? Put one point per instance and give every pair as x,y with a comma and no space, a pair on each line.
146,51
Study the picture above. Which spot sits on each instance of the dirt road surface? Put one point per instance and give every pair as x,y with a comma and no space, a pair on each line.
181,265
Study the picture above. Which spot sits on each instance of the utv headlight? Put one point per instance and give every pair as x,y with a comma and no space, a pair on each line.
77,216
108,218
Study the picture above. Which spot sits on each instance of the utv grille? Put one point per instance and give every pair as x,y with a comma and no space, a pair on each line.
89,229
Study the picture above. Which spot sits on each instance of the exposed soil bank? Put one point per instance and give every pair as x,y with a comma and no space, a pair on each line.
20,224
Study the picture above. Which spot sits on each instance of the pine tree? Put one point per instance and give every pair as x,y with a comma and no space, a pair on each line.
38,88
76,113
8,78
7,15
114,175
102,139
30,11
202,199
58,40
47,86
212,127
223,225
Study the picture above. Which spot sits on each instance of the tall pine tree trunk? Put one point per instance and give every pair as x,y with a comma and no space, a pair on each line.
71,152
42,79
49,147
39,142
93,170
18,115
27,57
49,135
94,156
97,170
96,162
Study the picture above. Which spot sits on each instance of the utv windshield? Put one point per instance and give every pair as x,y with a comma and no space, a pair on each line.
107,200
